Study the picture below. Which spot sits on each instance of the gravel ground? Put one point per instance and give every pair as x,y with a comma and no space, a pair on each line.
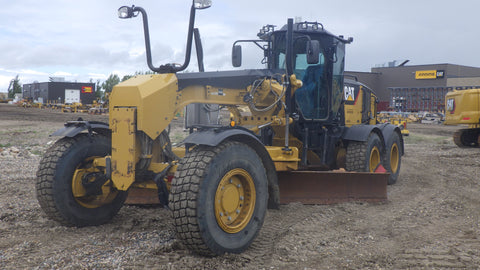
431,219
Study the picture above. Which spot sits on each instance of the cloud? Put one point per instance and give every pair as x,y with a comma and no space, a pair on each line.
31,72
63,73
85,39
97,76
5,80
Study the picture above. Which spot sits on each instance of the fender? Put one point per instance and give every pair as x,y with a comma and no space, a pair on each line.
360,133
215,136
384,131
72,128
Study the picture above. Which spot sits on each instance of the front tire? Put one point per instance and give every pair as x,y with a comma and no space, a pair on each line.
60,192
219,198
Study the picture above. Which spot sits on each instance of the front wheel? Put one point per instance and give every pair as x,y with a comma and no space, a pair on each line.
70,189
219,198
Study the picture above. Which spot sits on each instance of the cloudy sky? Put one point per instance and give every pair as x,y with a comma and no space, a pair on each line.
83,40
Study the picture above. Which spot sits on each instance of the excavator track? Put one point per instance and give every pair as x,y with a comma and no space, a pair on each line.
466,138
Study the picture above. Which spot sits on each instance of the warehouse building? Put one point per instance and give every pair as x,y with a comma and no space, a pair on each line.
59,92
417,88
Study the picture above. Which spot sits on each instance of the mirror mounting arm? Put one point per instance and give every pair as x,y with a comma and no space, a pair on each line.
168,68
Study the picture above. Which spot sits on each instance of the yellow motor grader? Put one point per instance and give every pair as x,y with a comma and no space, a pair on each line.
462,107
304,122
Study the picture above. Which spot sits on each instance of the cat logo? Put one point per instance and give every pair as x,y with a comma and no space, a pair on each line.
451,105
349,93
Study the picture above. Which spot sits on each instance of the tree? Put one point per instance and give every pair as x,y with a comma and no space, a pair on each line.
148,72
112,80
98,91
14,87
126,77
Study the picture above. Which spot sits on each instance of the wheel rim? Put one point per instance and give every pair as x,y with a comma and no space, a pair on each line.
79,192
235,200
374,159
394,158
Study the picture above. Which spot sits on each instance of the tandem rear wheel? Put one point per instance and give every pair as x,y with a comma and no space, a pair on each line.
364,156
219,198
368,155
393,157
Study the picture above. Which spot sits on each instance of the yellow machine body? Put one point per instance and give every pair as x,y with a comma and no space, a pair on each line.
462,107
148,103
360,105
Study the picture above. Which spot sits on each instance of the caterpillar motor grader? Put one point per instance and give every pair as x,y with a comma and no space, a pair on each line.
304,121
462,107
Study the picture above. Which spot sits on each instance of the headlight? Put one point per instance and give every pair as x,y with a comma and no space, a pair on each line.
201,4
125,12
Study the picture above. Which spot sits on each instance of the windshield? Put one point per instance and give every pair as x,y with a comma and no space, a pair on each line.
312,99
300,56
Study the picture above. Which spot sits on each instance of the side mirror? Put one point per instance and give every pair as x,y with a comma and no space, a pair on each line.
237,55
202,4
313,50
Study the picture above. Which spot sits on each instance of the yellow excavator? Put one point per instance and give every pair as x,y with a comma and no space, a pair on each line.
462,107
309,135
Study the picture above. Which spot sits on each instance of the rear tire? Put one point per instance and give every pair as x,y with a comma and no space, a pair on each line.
393,158
364,156
59,175
219,198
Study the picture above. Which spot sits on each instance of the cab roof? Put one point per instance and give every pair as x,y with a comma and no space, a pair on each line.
301,27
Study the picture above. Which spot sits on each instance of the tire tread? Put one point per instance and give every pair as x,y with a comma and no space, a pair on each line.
45,179
356,155
184,193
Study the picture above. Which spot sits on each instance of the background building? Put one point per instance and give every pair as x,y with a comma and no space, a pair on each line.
60,92
417,88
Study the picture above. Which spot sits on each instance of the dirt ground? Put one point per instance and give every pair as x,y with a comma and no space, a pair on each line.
431,219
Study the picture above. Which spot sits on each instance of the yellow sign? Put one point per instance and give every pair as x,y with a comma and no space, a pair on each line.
426,74
429,74
87,89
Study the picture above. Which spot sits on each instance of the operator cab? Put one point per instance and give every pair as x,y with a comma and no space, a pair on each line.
320,97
